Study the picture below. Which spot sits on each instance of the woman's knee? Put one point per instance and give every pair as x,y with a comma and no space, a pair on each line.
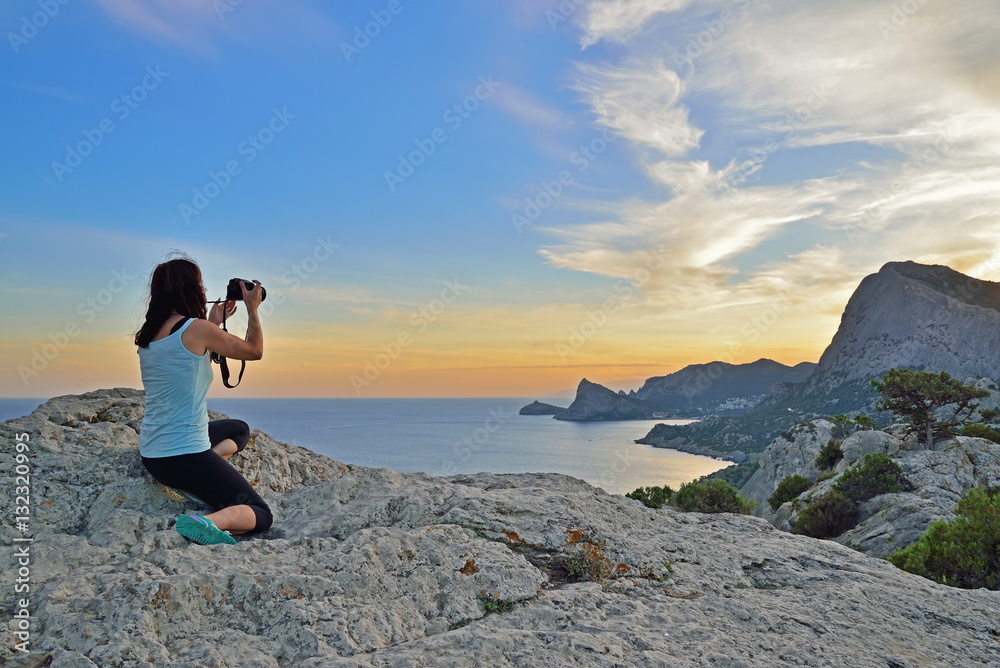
241,434
237,430
264,518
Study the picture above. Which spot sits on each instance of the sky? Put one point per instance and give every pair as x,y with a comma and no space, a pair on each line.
484,199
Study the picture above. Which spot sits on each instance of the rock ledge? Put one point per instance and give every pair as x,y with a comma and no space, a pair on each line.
368,567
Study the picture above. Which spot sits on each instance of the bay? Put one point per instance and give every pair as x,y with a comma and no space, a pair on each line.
449,436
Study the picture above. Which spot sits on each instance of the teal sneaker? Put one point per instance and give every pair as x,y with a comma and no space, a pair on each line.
202,530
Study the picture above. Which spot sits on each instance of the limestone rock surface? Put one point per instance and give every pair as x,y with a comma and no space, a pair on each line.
791,454
368,567
889,522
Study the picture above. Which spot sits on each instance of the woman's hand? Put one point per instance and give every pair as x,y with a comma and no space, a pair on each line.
251,297
227,308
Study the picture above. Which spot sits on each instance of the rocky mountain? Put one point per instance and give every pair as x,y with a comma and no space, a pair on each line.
926,317
368,567
716,388
918,316
940,477
595,402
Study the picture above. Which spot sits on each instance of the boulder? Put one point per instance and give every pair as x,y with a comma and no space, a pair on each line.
793,453
862,443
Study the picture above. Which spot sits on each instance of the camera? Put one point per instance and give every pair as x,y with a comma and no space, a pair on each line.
234,293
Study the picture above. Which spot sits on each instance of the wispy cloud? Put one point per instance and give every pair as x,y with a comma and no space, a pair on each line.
639,100
788,82
198,26
176,21
56,92
619,19
526,107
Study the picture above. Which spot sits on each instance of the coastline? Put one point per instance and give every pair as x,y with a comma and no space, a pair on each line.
680,445
464,436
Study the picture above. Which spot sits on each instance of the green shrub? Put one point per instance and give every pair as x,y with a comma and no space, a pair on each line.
981,431
493,604
842,425
829,455
876,474
711,496
864,422
964,552
738,475
788,489
652,497
827,516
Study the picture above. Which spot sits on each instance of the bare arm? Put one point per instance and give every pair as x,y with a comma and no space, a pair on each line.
203,335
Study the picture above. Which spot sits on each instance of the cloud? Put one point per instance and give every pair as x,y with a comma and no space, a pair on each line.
639,101
792,99
527,108
176,21
617,20
199,25
56,92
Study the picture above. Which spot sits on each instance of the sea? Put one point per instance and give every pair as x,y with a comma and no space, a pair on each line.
451,436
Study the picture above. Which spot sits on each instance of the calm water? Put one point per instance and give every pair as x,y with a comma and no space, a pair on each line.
447,436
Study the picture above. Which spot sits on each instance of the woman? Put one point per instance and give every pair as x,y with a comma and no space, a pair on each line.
178,445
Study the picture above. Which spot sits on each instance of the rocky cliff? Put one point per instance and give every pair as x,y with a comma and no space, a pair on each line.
716,388
925,317
918,316
940,477
596,402
367,567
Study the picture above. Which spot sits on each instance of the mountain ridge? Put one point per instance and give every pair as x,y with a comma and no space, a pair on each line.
925,317
692,392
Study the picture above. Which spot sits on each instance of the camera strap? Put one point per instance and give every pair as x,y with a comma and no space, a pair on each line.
221,361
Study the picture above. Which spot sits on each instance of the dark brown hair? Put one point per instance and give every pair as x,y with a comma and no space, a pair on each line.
175,285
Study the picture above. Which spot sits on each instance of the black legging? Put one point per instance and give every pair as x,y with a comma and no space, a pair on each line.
210,477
